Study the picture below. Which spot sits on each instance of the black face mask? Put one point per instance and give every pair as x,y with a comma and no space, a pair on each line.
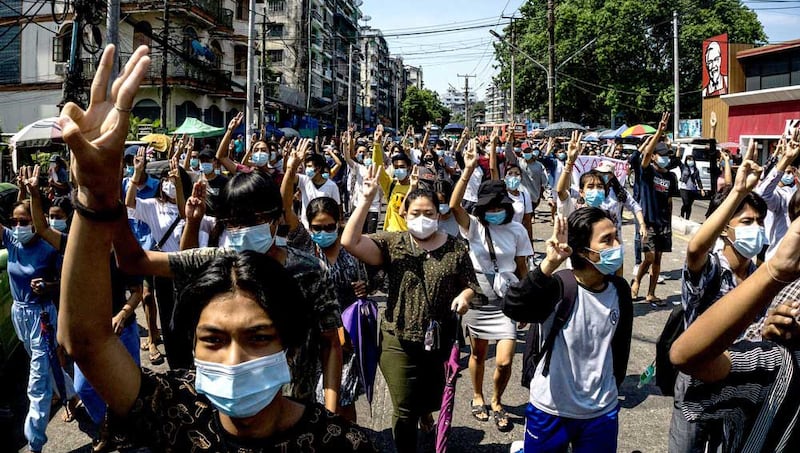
428,160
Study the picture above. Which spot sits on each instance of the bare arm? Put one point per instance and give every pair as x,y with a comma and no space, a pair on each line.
494,170
195,211
565,180
40,224
223,149
353,241
470,162
650,146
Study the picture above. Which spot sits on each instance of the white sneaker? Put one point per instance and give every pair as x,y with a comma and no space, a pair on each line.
517,446
635,270
661,279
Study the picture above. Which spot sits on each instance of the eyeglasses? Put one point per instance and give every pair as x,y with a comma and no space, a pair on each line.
247,220
328,228
20,222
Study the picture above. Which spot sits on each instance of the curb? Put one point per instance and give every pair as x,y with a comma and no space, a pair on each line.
684,227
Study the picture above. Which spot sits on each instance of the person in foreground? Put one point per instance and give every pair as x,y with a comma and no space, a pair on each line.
575,386
242,327
760,377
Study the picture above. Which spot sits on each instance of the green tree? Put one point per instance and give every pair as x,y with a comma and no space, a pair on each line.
422,106
629,68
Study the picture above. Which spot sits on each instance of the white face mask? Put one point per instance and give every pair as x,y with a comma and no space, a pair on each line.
422,227
168,187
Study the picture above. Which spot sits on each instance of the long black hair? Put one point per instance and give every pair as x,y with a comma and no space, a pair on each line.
263,279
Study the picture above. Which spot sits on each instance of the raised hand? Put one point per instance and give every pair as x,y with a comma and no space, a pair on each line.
575,147
781,324
97,134
32,178
196,204
747,177
471,154
752,149
378,134
174,173
371,182
664,123
414,178
235,121
495,135
558,249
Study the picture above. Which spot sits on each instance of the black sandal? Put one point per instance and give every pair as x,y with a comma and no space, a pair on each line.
479,411
501,421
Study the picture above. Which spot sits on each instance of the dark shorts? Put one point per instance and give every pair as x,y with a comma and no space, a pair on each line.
658,240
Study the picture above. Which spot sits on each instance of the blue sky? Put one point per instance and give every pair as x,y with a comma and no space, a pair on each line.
445,55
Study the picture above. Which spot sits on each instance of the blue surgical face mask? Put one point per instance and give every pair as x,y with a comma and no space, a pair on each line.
326,175
324,239
662,161
512,182
257,238
610,260
194,163
562,156
400,173
206,167
527,156
787,179
242,390
368,161
440,152
129,170
495,218
750,239
444,208
311,172
217,171
605,177
536,153
59,225
690,163
23,234
259,158
594,197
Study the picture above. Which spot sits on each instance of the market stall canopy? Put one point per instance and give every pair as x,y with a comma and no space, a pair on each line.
198,129
39,134
561,129
159,142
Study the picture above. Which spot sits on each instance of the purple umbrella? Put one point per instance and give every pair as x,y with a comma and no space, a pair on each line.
361,323
448,400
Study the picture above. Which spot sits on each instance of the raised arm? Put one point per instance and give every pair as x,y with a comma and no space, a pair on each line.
187,158
287,184
511,156
650,147
223,154
40,224
426,137
337,162
175,176
470,162
95,138
701,243
358,245
494,169
565,180
194,213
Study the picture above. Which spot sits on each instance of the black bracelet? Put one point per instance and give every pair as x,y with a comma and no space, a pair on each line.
105,215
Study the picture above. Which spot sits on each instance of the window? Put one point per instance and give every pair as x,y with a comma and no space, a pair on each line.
275,56
241,10
10,48
240,61
276,6
62,43
275,30
216,49
142,32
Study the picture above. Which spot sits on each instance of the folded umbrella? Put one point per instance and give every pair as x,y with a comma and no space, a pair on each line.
48,335
445,419
360,320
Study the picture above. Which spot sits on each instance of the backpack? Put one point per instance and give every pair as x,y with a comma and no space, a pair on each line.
666,373
535,348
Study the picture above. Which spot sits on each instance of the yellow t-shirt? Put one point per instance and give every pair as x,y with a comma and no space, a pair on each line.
394,200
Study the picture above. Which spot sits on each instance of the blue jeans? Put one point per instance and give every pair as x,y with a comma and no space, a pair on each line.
551,433
26,319
95,405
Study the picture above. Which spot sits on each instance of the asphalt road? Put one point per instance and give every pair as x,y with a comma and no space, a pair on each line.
644,417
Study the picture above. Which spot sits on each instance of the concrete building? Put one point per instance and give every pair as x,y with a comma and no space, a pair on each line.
454,99
376,77
414,76
498,105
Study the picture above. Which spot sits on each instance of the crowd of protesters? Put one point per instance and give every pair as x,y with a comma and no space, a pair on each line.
249,260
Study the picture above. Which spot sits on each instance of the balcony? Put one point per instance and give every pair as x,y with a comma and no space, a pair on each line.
190,75
209,12
316,17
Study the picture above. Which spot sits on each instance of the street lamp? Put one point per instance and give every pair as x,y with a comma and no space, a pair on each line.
551,93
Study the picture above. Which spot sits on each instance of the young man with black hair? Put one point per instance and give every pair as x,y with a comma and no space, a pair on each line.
395,185
737,219
312,183
574,390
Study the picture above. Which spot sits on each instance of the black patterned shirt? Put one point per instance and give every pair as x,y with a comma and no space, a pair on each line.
170,416
312,278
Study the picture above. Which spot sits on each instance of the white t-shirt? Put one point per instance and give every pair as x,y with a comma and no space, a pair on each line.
159,216
522,204
356,185
309,191
474,183
581,382
510,241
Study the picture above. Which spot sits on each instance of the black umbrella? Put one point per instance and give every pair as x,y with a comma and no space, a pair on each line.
562,129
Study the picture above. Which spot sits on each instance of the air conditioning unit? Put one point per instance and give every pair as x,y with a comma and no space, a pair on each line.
61,68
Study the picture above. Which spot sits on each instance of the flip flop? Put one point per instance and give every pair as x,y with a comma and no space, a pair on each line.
656,302
480,412
156,358
501,421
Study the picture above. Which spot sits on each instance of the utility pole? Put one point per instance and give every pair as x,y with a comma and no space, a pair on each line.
164,64
112,37
551,60
73,81
263,100
513,67
466,97
251,73
350,86
676,115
